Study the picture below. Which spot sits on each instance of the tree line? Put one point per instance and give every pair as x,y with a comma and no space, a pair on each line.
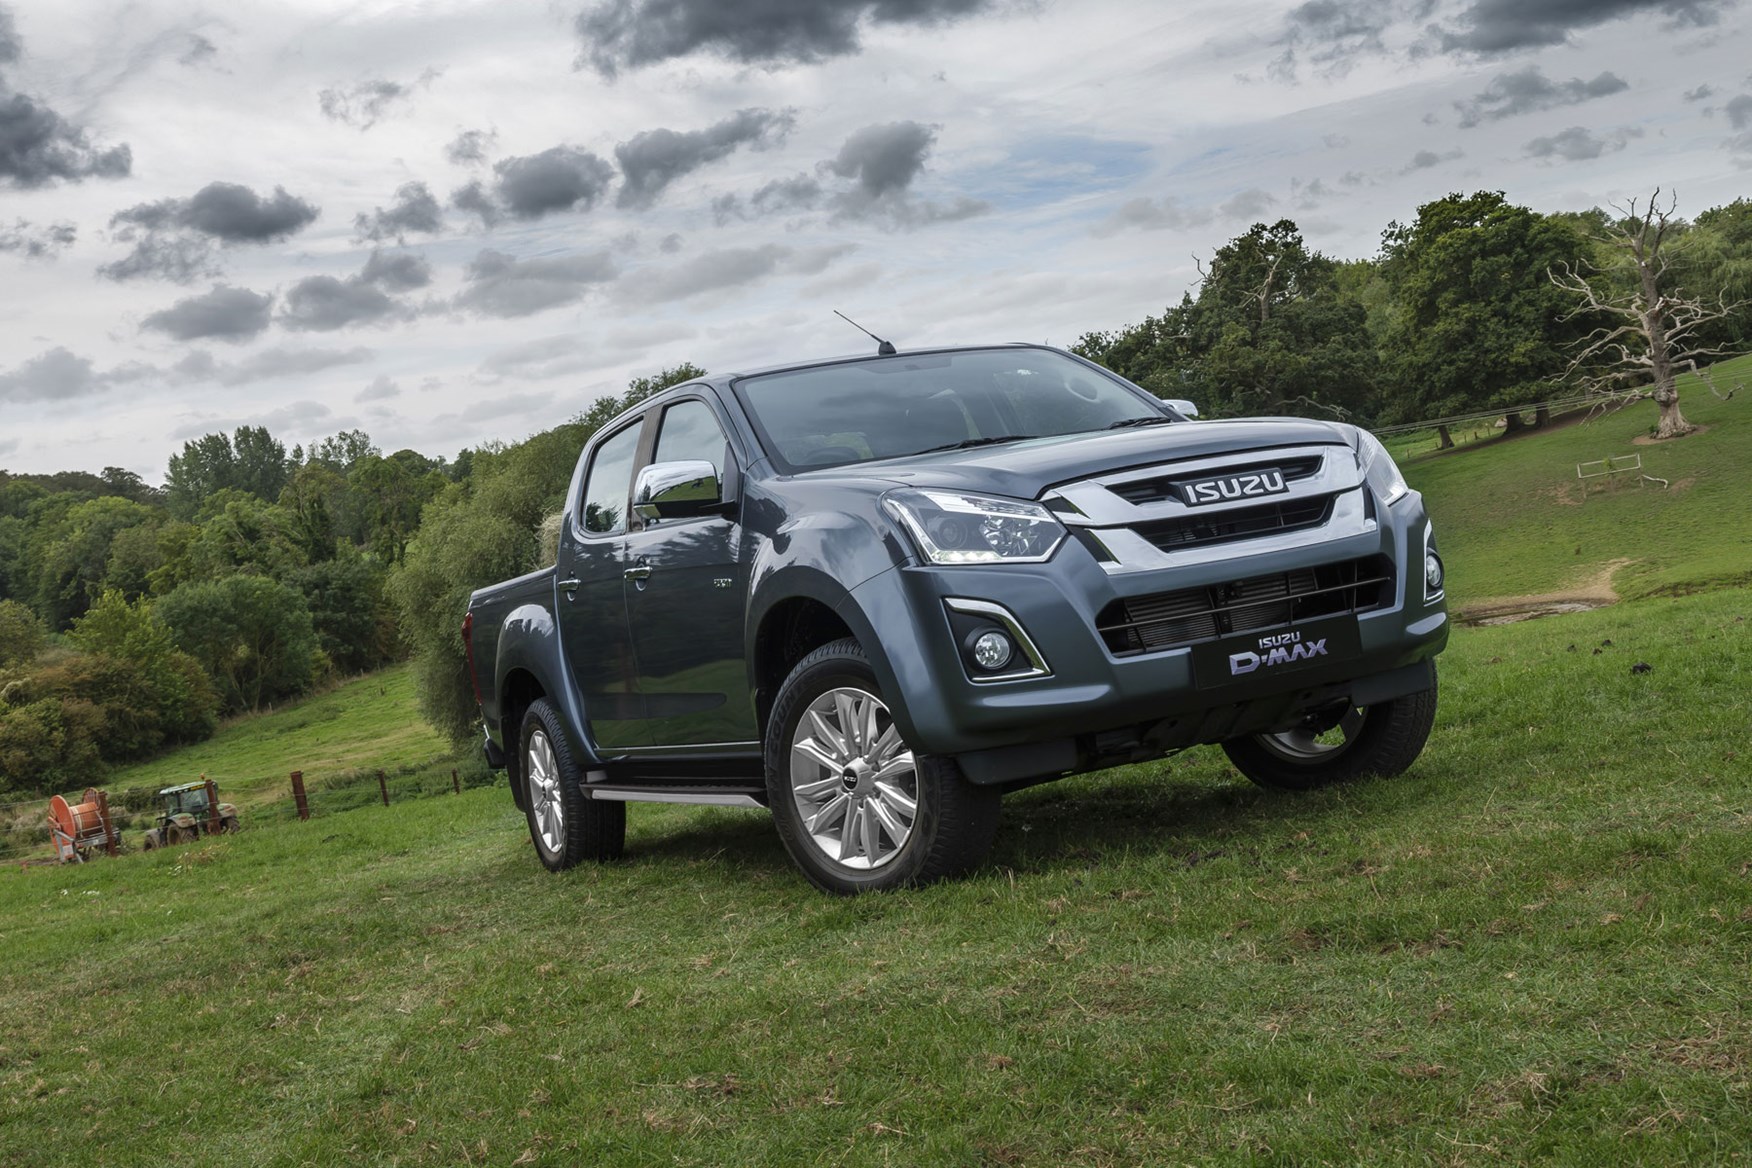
133,617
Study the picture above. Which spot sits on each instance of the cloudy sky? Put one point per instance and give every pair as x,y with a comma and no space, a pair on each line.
453,221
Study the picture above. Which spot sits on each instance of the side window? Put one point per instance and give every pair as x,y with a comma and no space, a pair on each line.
691,431
609,483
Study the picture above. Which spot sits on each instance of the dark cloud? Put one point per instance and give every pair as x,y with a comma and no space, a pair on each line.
1528,90
652,160
881,162
560,178
470,146
1145,214
55,375
398,271
225,314
198,50
382,388
1739,111
38,147
364,103
34,242
669,244
504,286
414,211
200,365
1252,203
621,34
782,196
325,303
176,239
1329,34
1701,93
1578,144
1424,159
1494,27
714,271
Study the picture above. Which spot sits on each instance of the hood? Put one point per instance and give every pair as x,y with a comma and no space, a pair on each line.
1026,470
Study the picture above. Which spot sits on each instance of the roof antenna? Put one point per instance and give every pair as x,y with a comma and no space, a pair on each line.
883,348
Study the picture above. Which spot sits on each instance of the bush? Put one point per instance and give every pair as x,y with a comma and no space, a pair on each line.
253,637
22,635
50,745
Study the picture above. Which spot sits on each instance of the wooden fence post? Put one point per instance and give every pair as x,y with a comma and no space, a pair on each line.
383,787
298,795
455,783
212,806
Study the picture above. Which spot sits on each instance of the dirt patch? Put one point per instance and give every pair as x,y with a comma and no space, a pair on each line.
1594,592
1651,440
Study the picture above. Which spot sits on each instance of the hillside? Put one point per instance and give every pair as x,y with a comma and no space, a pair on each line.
1531,948
1512,517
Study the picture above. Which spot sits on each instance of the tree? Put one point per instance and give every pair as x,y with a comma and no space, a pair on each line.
22,635
1476,326
353,621
149,692
1653,330
251,460
72,552
253,636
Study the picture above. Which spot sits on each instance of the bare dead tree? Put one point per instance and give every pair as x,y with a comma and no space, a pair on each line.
1653,329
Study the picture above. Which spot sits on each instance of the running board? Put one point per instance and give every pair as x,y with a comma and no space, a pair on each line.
704,796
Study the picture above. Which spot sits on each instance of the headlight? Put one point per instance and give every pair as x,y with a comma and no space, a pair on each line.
951,527
1379,468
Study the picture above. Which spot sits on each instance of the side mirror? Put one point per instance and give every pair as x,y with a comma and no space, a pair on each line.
677,490
1182,407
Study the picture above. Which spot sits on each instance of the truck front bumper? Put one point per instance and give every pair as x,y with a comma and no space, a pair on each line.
1093,705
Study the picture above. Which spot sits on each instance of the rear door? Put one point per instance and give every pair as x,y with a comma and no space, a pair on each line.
686,594
590,594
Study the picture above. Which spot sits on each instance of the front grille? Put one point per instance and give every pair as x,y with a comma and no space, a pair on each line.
1161,488
1172,620
1240,523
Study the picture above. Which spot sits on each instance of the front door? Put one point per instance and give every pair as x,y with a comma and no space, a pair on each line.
590,596
686,591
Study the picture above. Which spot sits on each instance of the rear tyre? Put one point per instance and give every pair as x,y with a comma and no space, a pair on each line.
153,839
229,825
856,808
1335,747
566,827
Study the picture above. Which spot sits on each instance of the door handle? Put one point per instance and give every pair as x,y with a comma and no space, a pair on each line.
570,583
642,572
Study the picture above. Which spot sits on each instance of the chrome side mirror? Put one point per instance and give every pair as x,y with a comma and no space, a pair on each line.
1182,407
677,490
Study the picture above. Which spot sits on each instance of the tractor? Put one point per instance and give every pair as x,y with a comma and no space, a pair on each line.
190,811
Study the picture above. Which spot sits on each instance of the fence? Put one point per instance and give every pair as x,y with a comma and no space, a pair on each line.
24,833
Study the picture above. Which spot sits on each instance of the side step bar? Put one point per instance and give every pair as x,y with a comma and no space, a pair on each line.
707,796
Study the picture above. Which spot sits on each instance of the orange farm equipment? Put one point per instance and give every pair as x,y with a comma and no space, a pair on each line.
189,812
79,828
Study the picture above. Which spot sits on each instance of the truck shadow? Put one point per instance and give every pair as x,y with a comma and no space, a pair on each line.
1144,813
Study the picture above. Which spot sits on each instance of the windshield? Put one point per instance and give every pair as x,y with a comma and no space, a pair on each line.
888,407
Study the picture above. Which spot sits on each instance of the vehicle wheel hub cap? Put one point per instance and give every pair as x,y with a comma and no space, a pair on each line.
853,781
544,792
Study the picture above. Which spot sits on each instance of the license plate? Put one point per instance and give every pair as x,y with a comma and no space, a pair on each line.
1259,658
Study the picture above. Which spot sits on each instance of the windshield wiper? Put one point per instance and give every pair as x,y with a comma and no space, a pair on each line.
969,442
1153,420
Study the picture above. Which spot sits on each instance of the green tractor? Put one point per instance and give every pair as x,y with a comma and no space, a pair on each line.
190,811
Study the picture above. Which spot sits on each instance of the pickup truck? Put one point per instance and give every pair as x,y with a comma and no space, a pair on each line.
874,594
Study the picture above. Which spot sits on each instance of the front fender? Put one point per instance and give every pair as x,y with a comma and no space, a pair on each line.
529,646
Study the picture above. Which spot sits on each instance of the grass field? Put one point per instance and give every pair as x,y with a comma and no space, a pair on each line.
1512,518
1533,948
362,725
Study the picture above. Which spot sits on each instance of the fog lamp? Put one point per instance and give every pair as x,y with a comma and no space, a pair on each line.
992,651
1432,573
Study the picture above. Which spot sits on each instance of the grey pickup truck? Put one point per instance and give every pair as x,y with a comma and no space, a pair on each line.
874,594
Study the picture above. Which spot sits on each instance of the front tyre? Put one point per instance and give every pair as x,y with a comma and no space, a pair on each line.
565,825
1383,739
856,808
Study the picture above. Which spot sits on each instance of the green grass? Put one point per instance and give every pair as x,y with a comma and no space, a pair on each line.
1512,519
361,725
1532,948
